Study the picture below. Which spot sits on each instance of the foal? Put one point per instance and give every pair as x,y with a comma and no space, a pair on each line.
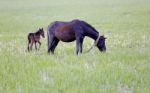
33,38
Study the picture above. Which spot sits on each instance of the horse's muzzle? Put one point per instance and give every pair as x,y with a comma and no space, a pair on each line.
103,50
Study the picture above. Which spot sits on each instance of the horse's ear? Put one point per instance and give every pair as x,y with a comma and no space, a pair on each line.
103,36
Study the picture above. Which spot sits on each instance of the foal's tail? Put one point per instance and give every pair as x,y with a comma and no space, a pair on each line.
29,41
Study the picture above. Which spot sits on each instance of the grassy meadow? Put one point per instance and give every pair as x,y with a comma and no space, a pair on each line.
124,68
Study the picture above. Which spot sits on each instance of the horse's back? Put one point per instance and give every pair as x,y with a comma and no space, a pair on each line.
64,31
55,24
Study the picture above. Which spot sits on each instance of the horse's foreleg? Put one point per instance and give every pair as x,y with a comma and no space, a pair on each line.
79,42
77,46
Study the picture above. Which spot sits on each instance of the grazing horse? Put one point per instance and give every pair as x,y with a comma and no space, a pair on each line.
33,38
73,30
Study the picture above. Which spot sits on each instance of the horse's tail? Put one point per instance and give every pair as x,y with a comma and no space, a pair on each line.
49,29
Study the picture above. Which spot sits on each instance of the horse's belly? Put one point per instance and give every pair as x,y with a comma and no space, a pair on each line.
65,36
67,40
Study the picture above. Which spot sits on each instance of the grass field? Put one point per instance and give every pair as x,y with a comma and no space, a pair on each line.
124,68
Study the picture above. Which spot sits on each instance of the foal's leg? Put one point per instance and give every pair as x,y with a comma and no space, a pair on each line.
29,41
31,44
39,44
35,45
28,46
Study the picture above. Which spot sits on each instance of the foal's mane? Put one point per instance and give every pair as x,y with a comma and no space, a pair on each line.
38,31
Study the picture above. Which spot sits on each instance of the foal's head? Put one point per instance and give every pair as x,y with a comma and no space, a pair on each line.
41,31
101,44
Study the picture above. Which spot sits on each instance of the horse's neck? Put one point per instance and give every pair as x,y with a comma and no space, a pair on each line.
92,34
89,30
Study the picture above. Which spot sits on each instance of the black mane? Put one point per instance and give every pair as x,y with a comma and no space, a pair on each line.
90,26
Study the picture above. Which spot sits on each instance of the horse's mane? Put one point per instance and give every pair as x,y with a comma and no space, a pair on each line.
89,26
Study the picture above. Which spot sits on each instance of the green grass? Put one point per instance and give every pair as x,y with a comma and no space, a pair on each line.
124,68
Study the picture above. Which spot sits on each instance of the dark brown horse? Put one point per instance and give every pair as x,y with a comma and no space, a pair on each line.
70,31
33,38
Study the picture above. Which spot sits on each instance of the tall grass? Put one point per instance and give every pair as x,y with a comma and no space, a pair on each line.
124,68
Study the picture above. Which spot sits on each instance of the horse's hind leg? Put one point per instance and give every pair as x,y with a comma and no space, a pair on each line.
52,45
55,43
50,42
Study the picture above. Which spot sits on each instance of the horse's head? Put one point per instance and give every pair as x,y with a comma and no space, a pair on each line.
42,32
101,44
